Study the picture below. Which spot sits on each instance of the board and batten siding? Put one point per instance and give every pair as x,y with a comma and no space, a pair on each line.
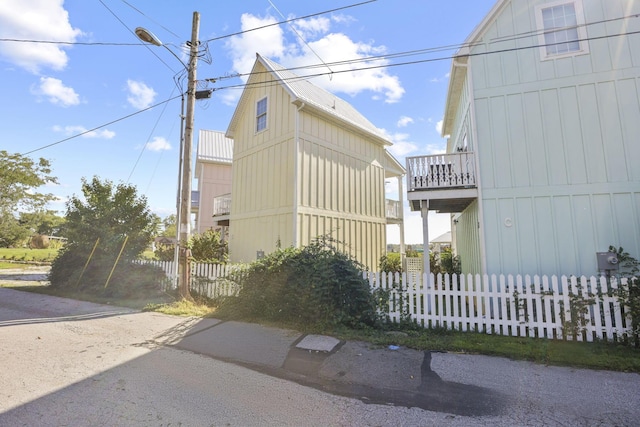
340,181
467,245
263,167
341,189
558,143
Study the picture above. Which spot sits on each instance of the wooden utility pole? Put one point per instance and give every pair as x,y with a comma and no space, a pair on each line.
184,266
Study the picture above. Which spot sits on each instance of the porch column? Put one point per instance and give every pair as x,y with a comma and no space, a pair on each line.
401,214
426,268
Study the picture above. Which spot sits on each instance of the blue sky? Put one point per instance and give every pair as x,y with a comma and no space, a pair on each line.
51,91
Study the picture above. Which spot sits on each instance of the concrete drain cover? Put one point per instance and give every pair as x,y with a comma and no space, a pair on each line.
318,343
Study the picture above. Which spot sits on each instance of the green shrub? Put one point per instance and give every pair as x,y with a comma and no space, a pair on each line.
164,252
208,247
313,286
128,279
449,263
391,262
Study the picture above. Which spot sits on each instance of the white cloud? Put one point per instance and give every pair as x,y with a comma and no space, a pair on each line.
404,121
268,42
75,130
430,149
56,92
401,145
158,144
36,20
140,95
312,27
348,77
440,79
439,126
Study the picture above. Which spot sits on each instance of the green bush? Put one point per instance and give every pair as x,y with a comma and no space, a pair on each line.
391,262
164,252
128,279
312,286
208,247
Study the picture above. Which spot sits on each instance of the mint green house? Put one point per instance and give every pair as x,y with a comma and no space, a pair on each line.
542,117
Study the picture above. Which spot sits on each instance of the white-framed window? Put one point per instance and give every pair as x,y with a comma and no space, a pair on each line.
561,28
261,115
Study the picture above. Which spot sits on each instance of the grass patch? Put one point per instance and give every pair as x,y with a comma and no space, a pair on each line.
28,255
5,265
149,255
595,355
182,308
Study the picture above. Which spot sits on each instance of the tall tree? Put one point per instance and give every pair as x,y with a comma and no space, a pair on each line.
20,177
169,226
109,212
45,222
108,227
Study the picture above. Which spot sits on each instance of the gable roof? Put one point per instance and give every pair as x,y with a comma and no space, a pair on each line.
309,96
459,66
214,147
443,238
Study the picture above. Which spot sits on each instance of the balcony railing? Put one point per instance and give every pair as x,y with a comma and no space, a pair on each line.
195,200
222,205
441,171
392,209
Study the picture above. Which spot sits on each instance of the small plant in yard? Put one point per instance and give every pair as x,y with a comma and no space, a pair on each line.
578,312
628,292
391,262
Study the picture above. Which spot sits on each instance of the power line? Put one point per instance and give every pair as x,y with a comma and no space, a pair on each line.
290,20
69,43
300,36
144,147
101,126
422,61
204,41
307,77
151,19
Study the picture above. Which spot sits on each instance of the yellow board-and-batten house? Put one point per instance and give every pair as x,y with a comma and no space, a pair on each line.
305,164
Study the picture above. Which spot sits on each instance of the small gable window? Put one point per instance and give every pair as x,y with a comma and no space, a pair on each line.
562,30
261,115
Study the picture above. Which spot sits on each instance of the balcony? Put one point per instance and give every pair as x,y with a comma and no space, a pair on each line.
392,209
195,201
222,209
447,181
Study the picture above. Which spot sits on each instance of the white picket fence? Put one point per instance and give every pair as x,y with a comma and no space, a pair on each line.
580,309
572,308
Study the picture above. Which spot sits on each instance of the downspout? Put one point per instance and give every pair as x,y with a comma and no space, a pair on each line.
296,151
401,214
476,150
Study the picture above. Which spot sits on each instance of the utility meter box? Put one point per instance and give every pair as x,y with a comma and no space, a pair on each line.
607,261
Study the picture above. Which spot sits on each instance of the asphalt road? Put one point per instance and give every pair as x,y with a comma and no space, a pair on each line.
70,363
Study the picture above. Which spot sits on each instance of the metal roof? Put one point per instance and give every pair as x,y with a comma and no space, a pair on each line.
312,95
214,147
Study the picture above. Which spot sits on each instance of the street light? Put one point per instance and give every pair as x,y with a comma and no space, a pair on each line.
185,182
